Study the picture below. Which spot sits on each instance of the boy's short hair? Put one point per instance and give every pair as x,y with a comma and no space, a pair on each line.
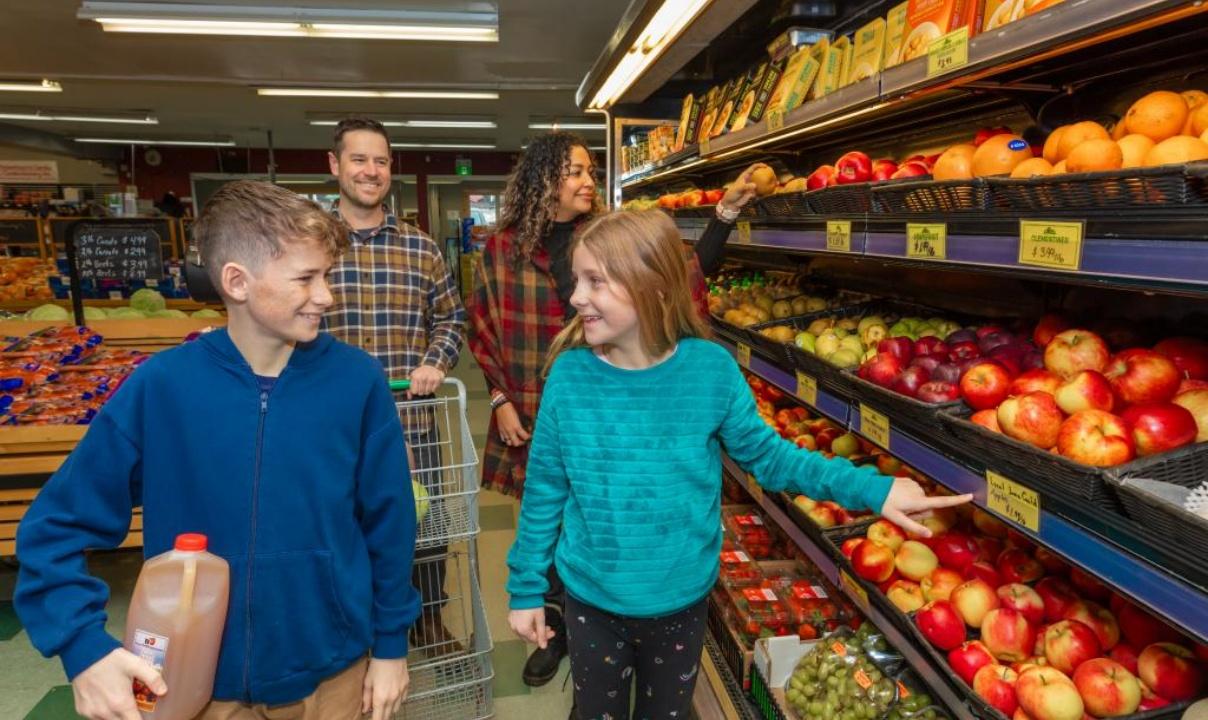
353,123
249,221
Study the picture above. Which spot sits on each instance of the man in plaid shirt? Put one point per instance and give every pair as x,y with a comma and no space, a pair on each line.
395,299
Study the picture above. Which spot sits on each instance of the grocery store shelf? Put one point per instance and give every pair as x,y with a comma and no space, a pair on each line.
638,176
1170,597
720,697
826,564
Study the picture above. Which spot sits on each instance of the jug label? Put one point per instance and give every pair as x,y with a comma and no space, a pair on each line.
152,648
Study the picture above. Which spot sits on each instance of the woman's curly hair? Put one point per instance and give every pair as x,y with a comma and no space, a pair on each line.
530,200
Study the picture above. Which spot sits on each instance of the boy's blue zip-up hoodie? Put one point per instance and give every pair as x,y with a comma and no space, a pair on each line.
303,490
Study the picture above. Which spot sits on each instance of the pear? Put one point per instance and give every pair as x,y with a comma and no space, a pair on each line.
815,304
820,326
827,343
781,333
848,323
869,354
852,342
781,309
800,306
870,320
845,359
764,302
873,334
805,341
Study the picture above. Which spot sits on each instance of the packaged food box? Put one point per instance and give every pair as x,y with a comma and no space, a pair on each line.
738,570
800,74
868,52
689,118
746,103
830,76
997,13
759,612
845,48
750,531
929,20
764,93
895,30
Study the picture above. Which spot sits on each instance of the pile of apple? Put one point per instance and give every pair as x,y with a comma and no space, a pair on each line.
844,342
932,370
858,167
827,513
1052,641
1091,406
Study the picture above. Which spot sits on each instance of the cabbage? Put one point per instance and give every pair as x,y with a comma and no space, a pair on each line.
147,300
48,312
126,313
94,313
207,313
171,313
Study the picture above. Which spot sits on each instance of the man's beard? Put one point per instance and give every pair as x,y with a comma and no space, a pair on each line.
348,194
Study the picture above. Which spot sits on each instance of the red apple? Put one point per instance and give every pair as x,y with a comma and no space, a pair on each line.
1057,595
824,176
1016,566
940,625
930,345
1089,585
967,659
849,546
1141,629
1095,437
1033,418
1052,563
1139,376
938,392
989,548
996,685
1170,670
955,550
911,169
1160,427
1019,541
1007,634
1048,327
886,533
1069,643
853,167
1023,599
883,170
940,584
1150,701
1097,618
1196,402
1087,390
872,561
1046,693
987,419
985,385
984,571
1189,355
1188,384
972,599
1107,688
1126,655
905,595
1074,350
990,525
1036,380
963,350
911,379
822,516
915,561
884,368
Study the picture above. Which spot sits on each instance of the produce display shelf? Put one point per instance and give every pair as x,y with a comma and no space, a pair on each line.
1170,597
826,564
636,177
731,703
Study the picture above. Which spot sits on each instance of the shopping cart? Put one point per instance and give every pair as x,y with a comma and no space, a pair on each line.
450,674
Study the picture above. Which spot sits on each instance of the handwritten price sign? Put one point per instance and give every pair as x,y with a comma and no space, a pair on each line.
948,53
927,241
1051,244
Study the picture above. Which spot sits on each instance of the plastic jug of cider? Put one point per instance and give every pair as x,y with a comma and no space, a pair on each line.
175,623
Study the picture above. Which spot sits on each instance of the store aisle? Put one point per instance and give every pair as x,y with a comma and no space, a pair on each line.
34,688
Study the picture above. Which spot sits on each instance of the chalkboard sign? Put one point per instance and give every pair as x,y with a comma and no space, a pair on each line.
118,251
20,235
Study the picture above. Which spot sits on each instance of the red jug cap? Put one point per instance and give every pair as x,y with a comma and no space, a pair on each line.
191,542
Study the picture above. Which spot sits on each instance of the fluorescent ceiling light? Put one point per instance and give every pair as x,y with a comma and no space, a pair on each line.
185,143
459,124
51,115
22,116
662,30
567,126
445,146
333,123
399,94
32,86
278,21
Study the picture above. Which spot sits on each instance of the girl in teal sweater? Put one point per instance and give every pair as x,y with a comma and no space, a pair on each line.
626,460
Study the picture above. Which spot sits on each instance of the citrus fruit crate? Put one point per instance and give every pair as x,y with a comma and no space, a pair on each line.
1165,185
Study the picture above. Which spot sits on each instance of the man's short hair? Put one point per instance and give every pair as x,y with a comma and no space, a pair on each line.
250,221
353,123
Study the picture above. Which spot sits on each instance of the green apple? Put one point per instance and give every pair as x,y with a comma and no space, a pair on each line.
870,320
900,329
845,445
805,341
853,343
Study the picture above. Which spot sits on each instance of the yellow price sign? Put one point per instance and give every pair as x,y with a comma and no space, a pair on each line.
1013,501
744,232
948,52
1051,244
874,426
807,389
754,488
838,235
775,119
744,355
853,590
705,146
927,241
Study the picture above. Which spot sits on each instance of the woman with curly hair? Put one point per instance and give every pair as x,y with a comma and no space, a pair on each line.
522,300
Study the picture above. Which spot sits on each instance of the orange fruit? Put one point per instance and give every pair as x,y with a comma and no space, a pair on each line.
1095,156
1077,134
1050,145
1032,167
1059,168
1178,149
1134,149
956,163
1119,130
1158,115
999,155
1194,98
1198,120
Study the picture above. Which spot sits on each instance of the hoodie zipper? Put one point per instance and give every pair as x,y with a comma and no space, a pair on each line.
251,557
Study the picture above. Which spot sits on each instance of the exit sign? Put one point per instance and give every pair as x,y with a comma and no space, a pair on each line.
463,166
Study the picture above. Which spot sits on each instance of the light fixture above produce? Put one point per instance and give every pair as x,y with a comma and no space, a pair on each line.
555,125
140,141
307,22
387,94
443,145
461,124
39,115
30,86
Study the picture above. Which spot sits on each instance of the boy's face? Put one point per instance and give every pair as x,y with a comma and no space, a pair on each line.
288,296
363,169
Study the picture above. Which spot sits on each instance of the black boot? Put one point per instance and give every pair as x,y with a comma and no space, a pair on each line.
542,665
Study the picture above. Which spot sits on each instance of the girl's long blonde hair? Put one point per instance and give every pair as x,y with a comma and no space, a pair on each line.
643,253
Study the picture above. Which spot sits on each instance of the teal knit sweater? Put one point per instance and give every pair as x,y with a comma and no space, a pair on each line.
628,464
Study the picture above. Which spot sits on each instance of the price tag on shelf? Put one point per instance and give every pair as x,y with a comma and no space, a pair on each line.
744,232
754,488
948,52
1013,501
927,241
854,590
775,119
838,235
874,426
705,146
807,389
744,356
1051,244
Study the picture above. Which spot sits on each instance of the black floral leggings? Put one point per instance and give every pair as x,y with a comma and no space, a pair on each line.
609,653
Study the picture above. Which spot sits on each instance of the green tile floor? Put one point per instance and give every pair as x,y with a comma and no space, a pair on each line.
34,688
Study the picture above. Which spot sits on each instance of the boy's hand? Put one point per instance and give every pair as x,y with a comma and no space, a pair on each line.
906,497
105,690
424,381
507,421
385,687
530,625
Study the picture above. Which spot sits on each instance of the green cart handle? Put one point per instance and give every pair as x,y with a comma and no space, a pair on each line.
400,385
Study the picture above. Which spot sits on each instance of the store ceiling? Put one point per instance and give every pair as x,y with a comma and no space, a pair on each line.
203,86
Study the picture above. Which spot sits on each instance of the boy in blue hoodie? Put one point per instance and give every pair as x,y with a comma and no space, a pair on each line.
279,443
